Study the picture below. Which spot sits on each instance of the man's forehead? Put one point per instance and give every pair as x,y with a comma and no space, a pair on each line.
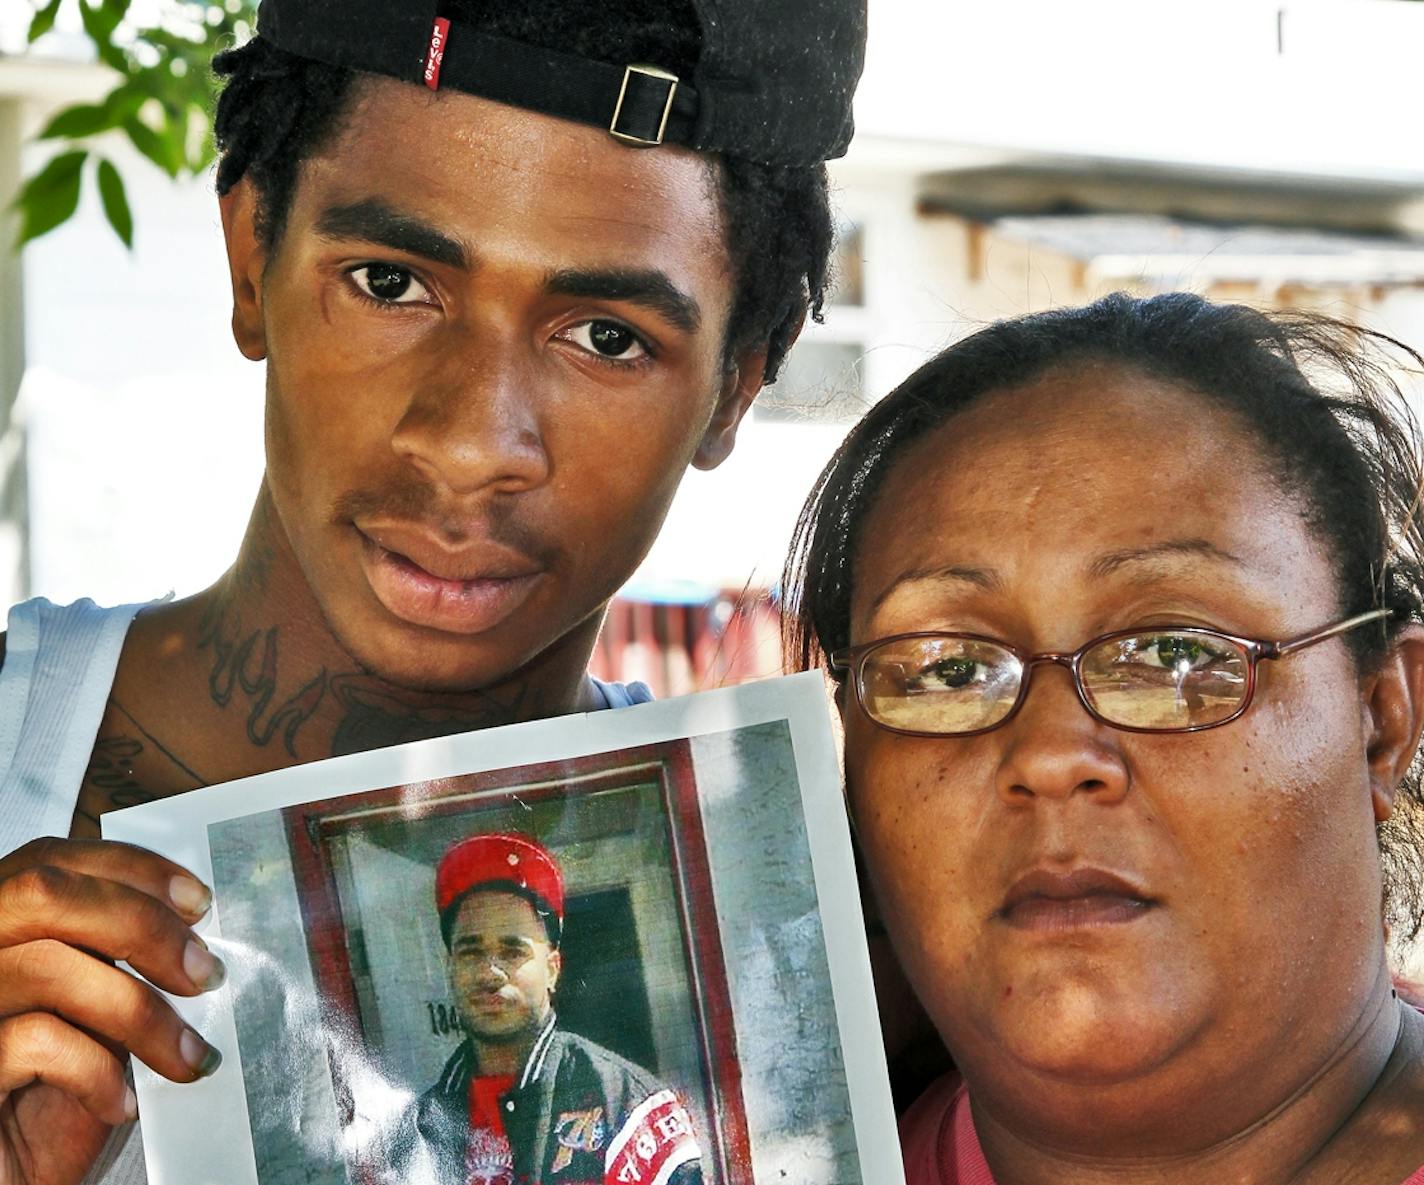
460,155
498,913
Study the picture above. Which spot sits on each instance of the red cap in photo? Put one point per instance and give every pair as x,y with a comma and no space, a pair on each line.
499,858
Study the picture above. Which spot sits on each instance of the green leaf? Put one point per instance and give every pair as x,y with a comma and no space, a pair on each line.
157,148
124,101
89,119
82,119
50,196
100,23
116,202
43,20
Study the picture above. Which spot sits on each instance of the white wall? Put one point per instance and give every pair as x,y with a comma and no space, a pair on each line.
1322,88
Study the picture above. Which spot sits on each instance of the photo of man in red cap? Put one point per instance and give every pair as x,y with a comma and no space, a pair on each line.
522,1101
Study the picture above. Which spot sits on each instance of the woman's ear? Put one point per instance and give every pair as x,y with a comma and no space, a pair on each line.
1394,706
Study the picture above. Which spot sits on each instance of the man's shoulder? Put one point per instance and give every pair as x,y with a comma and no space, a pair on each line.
646,1121
575,1050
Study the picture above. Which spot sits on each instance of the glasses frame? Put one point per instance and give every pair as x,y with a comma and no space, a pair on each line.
853,659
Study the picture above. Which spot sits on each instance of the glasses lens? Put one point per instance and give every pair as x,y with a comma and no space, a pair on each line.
939,685
1172,679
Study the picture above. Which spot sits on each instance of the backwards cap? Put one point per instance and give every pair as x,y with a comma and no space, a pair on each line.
500,859
773,81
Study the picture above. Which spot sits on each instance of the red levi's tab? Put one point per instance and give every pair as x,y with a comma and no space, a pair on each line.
653,1144
439,35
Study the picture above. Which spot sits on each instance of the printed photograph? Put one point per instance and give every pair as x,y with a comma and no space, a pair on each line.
540,975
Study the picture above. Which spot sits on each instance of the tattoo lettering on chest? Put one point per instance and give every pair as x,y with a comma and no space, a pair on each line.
120,769
111,772
130,768
248,663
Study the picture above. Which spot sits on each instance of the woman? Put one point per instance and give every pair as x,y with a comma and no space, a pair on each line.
1124,606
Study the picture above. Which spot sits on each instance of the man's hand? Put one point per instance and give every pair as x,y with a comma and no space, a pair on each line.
68,1017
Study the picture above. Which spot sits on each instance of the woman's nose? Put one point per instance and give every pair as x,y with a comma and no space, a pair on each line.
1054,749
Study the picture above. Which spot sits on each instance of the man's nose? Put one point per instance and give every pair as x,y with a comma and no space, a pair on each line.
489,973
475,420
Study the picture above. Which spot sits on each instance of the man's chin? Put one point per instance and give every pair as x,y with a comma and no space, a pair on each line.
486,1034
423,661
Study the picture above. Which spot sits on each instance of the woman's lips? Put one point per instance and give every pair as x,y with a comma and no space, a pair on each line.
1070,913
1052,901
465,605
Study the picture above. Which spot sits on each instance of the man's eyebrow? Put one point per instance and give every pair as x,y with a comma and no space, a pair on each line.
1115,561
492,939
373,221
647,287
985,579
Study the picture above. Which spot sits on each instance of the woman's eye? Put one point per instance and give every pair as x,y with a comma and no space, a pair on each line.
389,284
1174,652
949,673
1171,651
607,339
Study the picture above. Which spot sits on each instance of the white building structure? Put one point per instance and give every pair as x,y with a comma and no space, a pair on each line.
1242,147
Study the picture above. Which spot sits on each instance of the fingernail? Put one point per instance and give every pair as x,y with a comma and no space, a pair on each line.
203,967
130,1105
201,1057
189,895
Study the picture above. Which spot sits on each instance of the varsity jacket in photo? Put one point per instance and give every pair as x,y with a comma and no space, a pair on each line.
578,1114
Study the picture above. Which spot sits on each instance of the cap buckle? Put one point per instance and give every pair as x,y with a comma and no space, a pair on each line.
643,71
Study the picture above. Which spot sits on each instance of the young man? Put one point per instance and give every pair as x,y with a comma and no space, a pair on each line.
521,1098
512,269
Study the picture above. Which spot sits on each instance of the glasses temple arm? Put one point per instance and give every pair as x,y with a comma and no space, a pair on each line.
1277,649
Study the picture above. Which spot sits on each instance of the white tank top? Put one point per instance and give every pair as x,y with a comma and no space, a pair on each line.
54,685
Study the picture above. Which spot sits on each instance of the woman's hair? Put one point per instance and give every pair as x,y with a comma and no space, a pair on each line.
1320,397
278,109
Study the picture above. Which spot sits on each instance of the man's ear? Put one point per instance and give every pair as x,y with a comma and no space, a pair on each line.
740,387
556,968
246,260
1394,702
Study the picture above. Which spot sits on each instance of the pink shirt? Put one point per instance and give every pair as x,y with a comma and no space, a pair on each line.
940,1145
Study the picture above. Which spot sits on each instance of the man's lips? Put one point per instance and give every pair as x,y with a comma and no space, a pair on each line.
464,590
1065,899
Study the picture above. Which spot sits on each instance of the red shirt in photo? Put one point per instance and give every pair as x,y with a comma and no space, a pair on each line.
488,1160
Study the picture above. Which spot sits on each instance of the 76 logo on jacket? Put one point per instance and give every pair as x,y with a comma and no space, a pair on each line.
655,1141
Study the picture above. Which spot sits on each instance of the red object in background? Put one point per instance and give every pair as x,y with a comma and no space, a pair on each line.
677,649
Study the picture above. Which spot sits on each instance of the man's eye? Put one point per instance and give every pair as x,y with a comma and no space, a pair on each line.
608,339
389,284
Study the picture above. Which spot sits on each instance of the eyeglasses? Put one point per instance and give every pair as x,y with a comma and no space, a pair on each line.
1162,679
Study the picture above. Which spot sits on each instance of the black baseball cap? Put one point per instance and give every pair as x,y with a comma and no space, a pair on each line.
773,81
